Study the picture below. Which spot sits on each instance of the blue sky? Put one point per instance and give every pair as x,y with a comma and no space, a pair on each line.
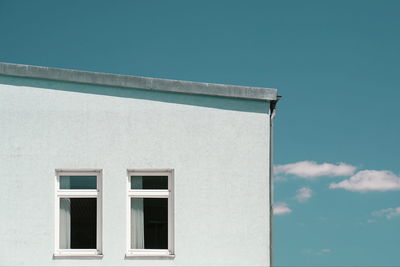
336,63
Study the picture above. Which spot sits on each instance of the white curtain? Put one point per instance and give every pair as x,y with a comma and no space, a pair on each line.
137,216
65,223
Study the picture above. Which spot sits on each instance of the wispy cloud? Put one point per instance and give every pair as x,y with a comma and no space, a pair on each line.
370,180
311,169
318,251
389,213
303,194
279,178
281,208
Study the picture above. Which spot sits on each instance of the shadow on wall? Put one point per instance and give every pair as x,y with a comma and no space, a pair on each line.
246,105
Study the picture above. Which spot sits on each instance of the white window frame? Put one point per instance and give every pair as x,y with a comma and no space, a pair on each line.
79,193
147,193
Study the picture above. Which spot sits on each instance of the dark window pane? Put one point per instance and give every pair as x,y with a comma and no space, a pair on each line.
149,223
155,223
78,223
149,182
78,182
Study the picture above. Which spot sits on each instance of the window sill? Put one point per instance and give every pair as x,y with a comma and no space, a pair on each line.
77,255
148,255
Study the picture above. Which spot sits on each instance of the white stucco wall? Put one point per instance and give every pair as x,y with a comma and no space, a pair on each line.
218,149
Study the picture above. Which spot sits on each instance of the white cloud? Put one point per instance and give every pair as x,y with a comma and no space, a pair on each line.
311,169
370,180
303,194
281,208
389,213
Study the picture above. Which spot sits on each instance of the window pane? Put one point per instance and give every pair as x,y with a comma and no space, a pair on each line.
149,182
78,223
149,223
78,182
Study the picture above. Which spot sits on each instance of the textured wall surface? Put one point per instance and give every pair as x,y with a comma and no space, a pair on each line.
218,147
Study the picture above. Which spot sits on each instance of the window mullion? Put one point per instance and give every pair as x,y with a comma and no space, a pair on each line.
149,193
78,193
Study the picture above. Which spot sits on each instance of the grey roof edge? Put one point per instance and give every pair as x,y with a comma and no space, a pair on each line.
137,82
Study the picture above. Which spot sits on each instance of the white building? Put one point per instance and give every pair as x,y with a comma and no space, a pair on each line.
111,170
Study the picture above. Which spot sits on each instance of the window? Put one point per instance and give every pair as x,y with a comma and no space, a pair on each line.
150,213
78,213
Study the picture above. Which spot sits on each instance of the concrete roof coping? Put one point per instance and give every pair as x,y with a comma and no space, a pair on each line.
137,82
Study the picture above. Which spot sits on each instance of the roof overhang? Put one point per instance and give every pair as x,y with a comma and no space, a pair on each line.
137,82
